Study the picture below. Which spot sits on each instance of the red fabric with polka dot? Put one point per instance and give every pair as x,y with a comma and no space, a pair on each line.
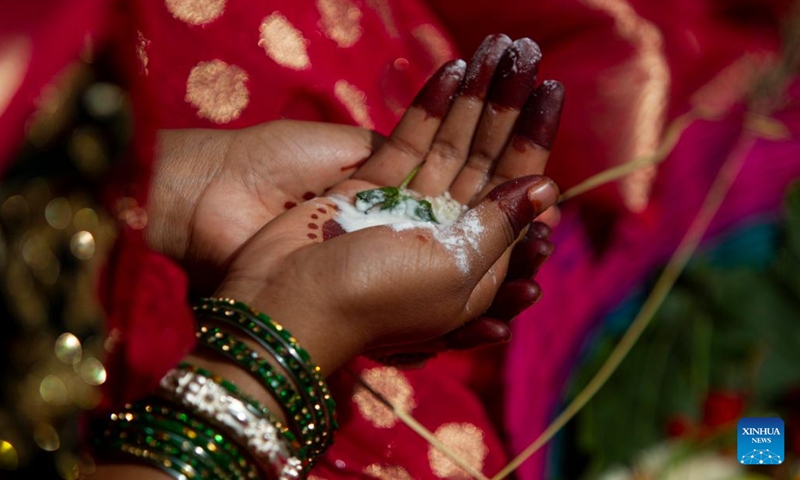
331,60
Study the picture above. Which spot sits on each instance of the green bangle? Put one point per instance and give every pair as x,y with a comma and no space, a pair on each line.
164,416
156,439
286,350
283,391
157,427
167,458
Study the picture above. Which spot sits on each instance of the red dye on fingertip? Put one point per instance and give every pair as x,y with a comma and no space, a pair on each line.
437,94
538,122
514,297
516,74
512,198
539,230
481,67
289,205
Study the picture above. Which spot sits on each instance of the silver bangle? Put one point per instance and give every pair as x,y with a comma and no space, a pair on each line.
246,423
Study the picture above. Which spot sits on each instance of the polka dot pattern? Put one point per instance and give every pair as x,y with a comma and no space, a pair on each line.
217,90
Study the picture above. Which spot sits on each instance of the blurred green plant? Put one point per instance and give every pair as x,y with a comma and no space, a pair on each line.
725,344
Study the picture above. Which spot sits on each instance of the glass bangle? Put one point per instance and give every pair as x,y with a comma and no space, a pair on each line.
291,356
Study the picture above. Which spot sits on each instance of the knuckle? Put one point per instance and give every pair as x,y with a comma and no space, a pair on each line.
481,160
510,228
446,150
406,147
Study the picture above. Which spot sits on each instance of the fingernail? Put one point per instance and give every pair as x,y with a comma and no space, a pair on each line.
513,298
481,331
543,194
538,122
482,65
516,74
437,94
514,199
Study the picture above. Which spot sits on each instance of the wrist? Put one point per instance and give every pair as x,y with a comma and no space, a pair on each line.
327,339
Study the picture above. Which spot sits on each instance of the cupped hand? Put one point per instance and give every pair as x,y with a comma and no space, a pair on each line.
383,285
380,286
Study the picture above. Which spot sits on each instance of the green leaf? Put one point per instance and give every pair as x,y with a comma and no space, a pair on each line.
393,199
372,197
424,211
377,196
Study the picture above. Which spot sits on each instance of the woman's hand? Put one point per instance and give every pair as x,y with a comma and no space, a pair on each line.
214,189
382,287
497,96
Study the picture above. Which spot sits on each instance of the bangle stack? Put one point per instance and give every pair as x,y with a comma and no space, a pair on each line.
181,444
204,427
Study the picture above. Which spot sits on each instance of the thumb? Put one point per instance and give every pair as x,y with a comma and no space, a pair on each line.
497,221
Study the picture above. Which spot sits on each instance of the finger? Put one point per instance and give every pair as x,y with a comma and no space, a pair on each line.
487,230
450,148
513,298
551,216
539,230
529,148
308,156
406,361
513,83
411,139
528,257
478,332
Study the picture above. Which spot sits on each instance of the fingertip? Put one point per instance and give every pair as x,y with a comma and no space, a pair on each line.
522,199
481,68
543,247
541,115
513,298
481,331
539,230
542,194
437,94
516,74
528,257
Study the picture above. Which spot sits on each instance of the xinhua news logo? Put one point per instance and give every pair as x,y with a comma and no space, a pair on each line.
760,441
